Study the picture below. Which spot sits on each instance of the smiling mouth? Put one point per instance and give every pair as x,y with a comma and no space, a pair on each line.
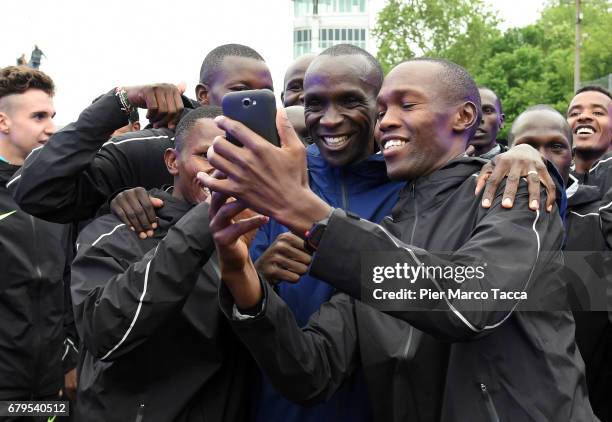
392,144
584,130
335,142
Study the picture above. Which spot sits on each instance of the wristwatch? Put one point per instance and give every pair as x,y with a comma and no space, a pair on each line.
313,236
124,102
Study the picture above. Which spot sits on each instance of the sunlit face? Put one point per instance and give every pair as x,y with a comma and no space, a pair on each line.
491,122
590,117
236,74
545,131
415,123
192,159
340,107
27,122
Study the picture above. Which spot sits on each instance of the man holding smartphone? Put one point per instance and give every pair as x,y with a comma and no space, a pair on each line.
516,366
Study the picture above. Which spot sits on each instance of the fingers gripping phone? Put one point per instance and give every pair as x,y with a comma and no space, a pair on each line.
256,109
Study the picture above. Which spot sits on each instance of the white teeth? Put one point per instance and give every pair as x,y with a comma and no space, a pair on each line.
394,143
585,131
334,141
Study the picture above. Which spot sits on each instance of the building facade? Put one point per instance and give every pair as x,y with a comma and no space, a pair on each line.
318,24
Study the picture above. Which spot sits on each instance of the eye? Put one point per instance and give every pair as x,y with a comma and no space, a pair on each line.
408,106
237,88
39,116
294,87
599,113
380,115
312,104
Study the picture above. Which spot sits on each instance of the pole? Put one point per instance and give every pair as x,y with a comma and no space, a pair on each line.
577,49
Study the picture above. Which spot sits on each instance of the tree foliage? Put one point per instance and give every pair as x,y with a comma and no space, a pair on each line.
524,66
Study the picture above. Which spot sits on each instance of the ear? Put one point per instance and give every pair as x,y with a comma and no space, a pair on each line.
202,94
136,126
5,123
465,117
502,120
171,160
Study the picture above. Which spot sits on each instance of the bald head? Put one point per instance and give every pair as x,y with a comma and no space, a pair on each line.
293,86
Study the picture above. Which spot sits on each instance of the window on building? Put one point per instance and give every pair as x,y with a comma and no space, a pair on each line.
302,42
329,37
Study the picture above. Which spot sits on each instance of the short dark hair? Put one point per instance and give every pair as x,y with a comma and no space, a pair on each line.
543,107
458,85
499,104
18,79
595,88
352,50
213,60
189,120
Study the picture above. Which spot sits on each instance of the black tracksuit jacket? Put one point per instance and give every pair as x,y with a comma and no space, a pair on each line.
156,347
504,365
599,175
79,169
404,369
588,256
37,341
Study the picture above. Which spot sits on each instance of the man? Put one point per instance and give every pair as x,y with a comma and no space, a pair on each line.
484,142
35,334
545,129
156,347
517,365
590,117
340,89
293,84
79,170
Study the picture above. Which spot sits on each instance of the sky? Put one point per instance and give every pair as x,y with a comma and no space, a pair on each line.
94,46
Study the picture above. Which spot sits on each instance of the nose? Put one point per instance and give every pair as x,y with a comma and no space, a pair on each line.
301,98
50,128
389,121
331,117
584,116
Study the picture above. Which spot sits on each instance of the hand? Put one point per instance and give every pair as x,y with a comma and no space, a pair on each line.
135,208
237,269
285,259
519,161
272,180
163,102
70,384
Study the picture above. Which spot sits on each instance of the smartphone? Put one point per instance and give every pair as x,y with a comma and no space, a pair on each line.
256,109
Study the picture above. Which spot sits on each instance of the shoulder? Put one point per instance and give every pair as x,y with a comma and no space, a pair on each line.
104,230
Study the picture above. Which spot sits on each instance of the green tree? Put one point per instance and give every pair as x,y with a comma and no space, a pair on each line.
455,29
524,66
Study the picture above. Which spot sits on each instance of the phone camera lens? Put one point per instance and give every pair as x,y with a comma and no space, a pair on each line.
246,102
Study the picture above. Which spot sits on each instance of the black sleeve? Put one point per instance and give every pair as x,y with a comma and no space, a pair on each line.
605,217
516,244
119,304
70,177
305,365
70,354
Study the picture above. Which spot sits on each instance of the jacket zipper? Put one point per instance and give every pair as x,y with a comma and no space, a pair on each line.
416,212
37,265
344,192
489,403
140,413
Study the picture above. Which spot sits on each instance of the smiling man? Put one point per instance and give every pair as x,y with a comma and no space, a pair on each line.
33,255
484,140
503,364
156,347
590,117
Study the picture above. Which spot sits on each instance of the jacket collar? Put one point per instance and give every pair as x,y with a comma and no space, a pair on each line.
579,194
172,211
6,171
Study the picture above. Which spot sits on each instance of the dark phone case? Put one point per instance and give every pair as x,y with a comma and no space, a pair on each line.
259,115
